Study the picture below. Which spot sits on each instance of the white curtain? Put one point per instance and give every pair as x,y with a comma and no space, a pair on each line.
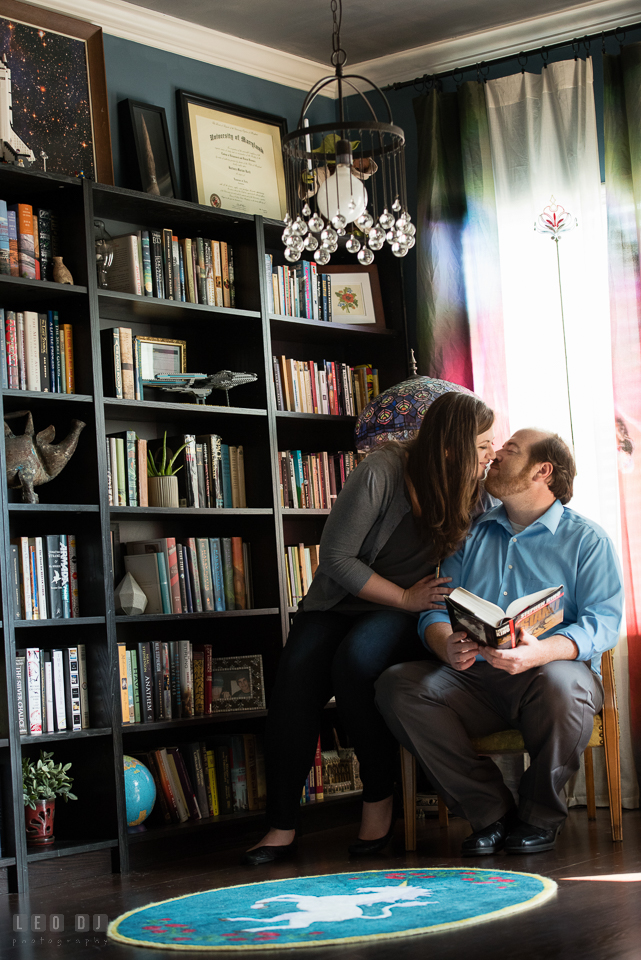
544,145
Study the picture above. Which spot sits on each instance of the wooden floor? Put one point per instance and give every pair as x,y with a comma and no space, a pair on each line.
586,920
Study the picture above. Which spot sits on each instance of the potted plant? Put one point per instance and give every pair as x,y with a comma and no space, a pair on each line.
43,781
162,482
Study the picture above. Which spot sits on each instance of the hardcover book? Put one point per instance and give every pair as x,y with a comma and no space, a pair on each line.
488,624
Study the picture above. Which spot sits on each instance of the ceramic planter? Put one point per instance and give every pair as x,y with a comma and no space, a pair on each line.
163,491
39,823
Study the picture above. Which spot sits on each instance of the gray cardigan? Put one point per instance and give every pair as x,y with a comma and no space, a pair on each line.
370,506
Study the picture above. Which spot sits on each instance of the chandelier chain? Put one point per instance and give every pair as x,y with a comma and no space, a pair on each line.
339,56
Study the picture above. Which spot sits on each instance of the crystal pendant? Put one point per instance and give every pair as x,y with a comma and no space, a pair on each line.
365,222
302,226
402,222
390,236
396,206
339,222
386,220
310,242
287,218
353,244
376,238
315,223
286,234
411,242
399,249
291,255
331,247
307,210
296,244
365,256
297,228
410,229
328,235
322,256
341,231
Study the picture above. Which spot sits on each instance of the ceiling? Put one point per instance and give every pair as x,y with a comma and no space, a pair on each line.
371,28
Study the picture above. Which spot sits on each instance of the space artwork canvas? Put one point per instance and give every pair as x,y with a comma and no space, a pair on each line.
45,110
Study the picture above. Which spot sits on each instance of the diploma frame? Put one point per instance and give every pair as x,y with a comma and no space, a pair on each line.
274,126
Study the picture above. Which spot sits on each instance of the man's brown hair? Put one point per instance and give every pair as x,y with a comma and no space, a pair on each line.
552,449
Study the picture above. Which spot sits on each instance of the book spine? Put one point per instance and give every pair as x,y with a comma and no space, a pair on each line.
167,789
64,578
204,570
21,694
127,362
213,787
131,479
168,263
180,560
238,774
130,689
135,677
158,278
12,350
202,271
43,354
188,591
166,682
228,573
34,697
146,680
70,375
32,350
148,288
194,575
83,682
199,683
186,679
174,663
186,785
157,663
74,716
122,672
26,247
14,268
163,579
48,691
217,573
240,600
59,688
5,265
74,597
175,268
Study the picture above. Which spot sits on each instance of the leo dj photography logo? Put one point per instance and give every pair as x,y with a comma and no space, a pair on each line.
51,926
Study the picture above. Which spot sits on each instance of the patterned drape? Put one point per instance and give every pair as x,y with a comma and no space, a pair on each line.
622,75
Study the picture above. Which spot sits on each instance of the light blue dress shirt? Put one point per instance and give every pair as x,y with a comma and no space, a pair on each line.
500,565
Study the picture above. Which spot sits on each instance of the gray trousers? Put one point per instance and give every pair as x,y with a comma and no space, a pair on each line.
434,710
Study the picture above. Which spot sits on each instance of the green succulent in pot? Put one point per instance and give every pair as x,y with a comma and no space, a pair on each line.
157,467
43,779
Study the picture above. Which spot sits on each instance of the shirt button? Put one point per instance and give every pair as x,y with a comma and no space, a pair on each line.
513,539
509,566
505,593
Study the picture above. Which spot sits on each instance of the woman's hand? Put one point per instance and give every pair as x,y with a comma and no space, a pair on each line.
426,594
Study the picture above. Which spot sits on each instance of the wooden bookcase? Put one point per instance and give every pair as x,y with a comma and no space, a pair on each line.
242,339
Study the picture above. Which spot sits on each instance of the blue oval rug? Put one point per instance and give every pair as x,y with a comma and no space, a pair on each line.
332,909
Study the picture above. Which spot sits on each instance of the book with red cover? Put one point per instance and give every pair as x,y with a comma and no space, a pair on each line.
185,783
490,625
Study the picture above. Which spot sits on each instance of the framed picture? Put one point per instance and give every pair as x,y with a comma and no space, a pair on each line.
160,355
237,684
234,156
54,77
147,148
356,294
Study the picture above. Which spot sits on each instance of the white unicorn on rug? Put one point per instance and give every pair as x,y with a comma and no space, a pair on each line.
338,907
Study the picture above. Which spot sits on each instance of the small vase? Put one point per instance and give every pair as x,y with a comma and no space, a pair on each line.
39,823
60,272
163,491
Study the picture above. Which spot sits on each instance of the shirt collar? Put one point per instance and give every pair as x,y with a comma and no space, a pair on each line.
550,518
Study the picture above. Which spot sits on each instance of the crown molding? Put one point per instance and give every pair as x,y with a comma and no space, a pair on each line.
126,20
510,40
141,25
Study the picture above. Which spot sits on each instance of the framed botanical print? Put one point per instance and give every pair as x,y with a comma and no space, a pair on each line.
356,294
234,156
53,81
148,148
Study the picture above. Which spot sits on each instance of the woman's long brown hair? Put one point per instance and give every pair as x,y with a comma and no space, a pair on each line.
442,464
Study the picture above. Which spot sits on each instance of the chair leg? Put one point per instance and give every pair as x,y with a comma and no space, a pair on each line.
610,717
589,783
408,769
443,815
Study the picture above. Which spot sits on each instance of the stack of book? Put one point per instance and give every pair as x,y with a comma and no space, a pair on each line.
211,474
28,241
44,577
52,689
299,291
328,387
207,779
37,352
314,480
200,575
156,263
301,563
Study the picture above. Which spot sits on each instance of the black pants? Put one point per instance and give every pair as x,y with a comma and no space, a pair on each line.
342,655
435,710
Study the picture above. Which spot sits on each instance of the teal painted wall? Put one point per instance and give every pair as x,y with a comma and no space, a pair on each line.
138,72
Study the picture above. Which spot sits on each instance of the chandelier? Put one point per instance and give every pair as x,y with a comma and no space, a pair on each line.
346,178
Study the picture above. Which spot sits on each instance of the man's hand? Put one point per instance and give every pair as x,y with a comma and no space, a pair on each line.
460,652
530,652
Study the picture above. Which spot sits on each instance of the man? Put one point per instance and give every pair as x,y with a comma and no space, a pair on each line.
548,688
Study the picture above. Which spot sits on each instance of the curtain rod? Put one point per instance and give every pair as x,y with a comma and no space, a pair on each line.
544,51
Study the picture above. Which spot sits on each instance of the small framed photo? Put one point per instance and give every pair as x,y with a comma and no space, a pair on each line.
147,148
234,156
356,295
237,684
160,355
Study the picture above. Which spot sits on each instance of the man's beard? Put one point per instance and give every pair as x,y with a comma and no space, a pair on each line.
502,487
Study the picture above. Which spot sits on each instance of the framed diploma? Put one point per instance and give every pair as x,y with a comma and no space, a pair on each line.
234,156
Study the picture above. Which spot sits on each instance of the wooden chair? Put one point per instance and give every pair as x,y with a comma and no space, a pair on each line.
605,733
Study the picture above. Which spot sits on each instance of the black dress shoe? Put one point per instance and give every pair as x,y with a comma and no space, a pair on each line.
489,840
365,848
266,854
524,838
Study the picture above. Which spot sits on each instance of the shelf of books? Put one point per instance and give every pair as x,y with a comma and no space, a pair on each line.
179,580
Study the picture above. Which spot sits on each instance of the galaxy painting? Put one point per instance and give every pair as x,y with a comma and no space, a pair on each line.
50,94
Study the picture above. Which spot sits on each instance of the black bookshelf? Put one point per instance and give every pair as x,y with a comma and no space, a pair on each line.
243,338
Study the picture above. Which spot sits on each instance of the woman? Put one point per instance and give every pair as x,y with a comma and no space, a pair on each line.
403,510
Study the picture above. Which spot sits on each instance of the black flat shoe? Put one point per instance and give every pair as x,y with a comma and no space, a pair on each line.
266,854
365,848
525,838
489,840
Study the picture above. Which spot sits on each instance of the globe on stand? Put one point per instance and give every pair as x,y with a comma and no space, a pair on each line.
140,793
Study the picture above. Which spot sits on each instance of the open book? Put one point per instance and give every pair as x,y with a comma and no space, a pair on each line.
488,624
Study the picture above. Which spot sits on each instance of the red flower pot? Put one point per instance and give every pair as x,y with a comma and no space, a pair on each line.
39,822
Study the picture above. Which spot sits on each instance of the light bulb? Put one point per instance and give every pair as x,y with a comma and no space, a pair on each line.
342,193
